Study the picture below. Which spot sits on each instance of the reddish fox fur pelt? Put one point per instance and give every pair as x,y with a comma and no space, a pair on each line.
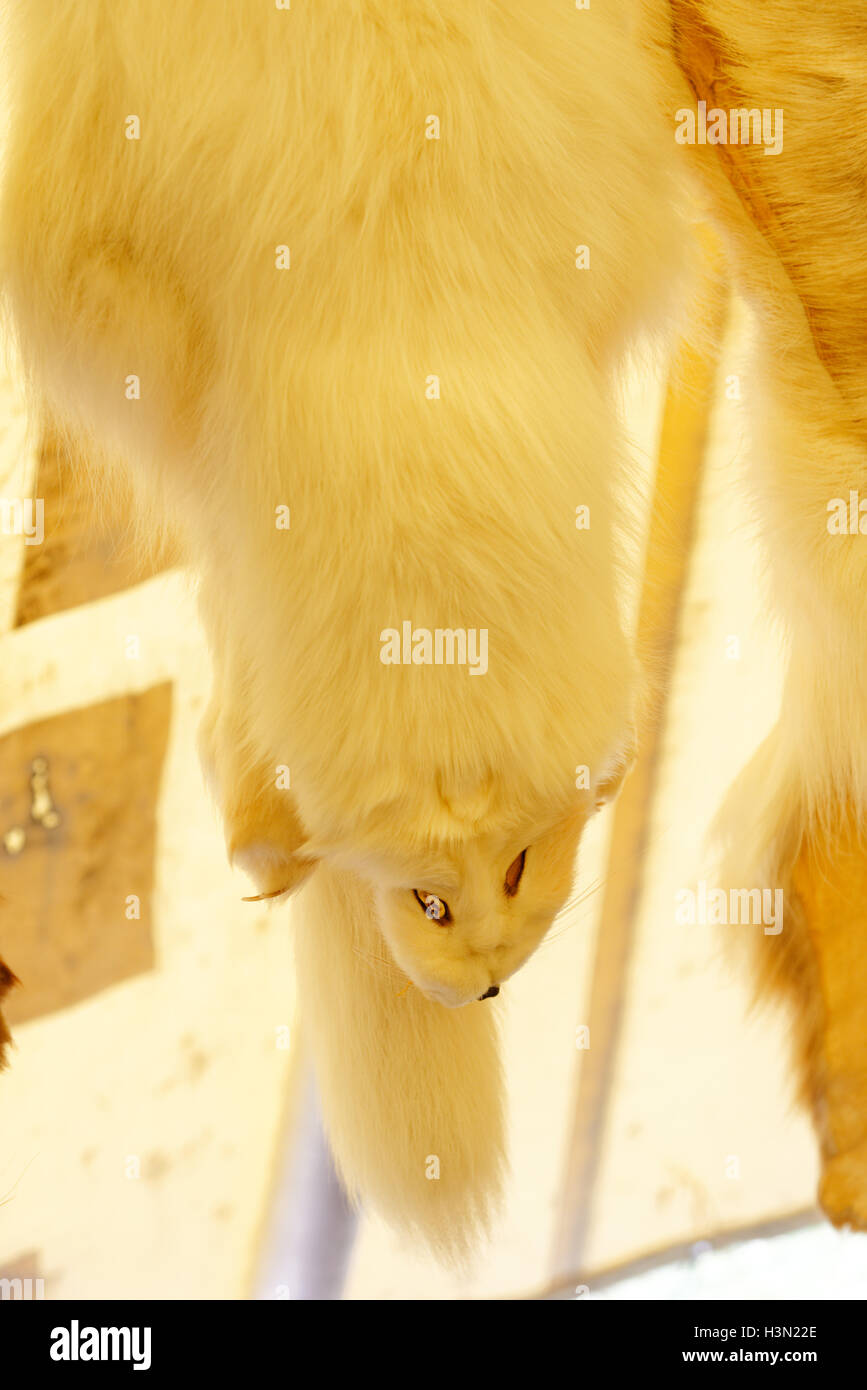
329,259
796,224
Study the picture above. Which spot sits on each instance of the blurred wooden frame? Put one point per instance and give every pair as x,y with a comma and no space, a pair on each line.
686,416
62,923
77,911
88,550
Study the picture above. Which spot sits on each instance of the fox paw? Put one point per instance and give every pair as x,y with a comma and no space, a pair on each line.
843,1189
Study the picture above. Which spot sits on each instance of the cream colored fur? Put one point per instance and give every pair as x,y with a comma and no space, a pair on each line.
306,388
411,1092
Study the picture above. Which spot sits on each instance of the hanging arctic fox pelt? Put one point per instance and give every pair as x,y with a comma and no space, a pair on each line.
370,266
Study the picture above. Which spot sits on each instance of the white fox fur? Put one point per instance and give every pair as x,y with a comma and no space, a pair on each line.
312,387
308,388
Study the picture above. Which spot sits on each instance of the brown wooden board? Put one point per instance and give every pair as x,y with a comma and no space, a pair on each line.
64,928
86,552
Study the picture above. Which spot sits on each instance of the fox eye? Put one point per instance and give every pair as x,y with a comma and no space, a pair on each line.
513,874
434,907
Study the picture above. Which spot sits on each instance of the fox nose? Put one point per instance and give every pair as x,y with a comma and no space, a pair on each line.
490,993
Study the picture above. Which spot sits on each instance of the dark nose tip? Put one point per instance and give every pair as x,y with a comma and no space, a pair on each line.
490,993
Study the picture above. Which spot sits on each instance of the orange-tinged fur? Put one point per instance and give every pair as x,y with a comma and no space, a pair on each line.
797,227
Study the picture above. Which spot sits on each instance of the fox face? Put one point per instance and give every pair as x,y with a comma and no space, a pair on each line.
480,913
458,913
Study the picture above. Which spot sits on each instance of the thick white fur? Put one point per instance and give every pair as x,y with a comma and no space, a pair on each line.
305,388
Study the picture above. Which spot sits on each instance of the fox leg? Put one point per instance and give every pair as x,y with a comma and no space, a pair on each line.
260,818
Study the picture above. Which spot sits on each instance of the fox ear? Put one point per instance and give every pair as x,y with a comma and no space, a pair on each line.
614,772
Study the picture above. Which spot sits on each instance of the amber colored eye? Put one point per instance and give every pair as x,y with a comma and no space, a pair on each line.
434,907
513,874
